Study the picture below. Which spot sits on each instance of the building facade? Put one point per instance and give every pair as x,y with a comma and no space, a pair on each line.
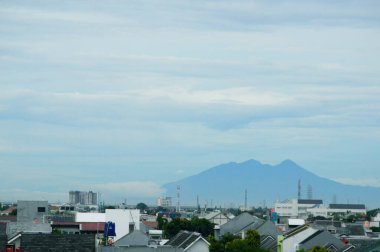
164,201
295,208
83,198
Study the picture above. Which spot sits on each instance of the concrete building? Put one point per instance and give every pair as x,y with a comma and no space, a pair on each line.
83,198
164,202
327,211
30,219
295,208
31,211
126,220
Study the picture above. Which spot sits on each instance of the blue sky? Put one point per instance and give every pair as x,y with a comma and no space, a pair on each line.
123,96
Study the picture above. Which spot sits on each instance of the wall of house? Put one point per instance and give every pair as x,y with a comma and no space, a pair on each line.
90,217
199,246
57,243
15,227
31,211
290,244
122,218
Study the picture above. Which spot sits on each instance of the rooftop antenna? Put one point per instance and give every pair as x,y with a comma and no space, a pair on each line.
178,208
198,206
299,188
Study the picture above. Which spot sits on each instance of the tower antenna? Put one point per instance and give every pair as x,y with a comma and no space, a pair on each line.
178,208
299,188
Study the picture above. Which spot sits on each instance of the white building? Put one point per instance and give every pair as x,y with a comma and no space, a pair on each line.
328,211
295,208
164,201
347,209
291,243
126,220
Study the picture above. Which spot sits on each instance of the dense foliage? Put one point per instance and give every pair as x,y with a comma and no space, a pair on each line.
314,249
231,243
196,224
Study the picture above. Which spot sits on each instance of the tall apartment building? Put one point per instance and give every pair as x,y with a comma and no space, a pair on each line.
164,201
83,198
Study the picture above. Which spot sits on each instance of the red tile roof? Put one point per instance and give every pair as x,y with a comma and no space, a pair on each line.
8,218
84,226
8,210
151,224
92,226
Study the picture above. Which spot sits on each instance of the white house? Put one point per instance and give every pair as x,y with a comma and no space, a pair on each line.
293,238
126,220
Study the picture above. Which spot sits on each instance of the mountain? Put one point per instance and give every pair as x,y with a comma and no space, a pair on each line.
225,185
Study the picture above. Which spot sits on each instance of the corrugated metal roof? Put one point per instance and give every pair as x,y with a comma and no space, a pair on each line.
310,201
347,206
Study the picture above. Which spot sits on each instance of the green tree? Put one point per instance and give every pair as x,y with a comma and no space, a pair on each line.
161,222
220,246
203,226
172,228
253,238
317,249
14,212
142,206
239,245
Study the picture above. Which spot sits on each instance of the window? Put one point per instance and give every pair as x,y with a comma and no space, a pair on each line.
41,209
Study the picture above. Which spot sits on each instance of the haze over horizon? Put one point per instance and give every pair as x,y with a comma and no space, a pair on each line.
124,96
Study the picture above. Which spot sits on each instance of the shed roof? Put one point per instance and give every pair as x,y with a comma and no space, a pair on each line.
347,206
310,201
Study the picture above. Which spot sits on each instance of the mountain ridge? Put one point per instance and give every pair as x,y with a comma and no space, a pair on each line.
225,184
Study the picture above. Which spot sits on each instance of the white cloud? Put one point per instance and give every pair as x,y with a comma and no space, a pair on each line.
34,14
130,189
184,84
374,182
14,194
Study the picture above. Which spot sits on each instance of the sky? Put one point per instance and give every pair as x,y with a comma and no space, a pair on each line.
121,97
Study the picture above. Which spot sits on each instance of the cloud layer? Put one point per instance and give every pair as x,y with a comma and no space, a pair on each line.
149,91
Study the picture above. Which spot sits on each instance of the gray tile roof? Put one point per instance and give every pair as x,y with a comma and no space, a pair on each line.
355,230
321,238
240,223
312,236
268,242
3,228
183,239
328,223
135,238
